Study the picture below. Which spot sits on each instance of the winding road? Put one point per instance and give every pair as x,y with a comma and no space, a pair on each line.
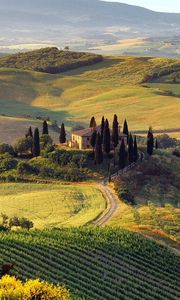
113,204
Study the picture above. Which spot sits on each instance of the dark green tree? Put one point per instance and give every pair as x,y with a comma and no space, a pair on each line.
36,143
62,137
157,146
29,132
92,123
125,129
150,142
45,128
115,132
98,150
131,149
106,138
102,127
135,150
122,155
93,139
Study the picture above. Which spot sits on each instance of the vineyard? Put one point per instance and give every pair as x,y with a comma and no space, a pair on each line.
95,263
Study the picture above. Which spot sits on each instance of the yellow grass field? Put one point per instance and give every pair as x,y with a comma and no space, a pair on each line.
52,205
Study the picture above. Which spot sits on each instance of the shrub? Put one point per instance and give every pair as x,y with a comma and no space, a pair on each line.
25,168
12,288
8,164
23,145
45,140
176,152
5,148
123,192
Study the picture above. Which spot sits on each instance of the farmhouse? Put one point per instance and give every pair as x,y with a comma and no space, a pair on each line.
81,139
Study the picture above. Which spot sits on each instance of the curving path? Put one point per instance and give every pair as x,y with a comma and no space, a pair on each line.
113,204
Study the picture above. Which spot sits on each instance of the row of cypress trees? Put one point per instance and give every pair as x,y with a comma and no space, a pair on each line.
102,141
45,131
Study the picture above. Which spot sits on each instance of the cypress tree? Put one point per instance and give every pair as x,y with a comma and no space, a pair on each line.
62,137
102,128
125,129
157,146
150,142
115,132
122,155
92,123
106,138
131,149
93,139
45,128
36,143
29,133
135,150
98,150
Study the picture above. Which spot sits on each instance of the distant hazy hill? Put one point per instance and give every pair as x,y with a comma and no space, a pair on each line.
49,60
82,23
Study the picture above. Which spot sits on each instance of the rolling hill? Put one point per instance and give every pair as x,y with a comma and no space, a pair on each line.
95,264
83,24
115,85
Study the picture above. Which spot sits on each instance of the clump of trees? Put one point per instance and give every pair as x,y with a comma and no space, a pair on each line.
8,223
50,60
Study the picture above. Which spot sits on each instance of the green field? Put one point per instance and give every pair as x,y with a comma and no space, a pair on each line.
52,205
111,86
95,264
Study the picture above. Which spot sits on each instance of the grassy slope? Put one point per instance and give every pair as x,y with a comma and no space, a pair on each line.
112,86
13,128
52,205
155,186
95,264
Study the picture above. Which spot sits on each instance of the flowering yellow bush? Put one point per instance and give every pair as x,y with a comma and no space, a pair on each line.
13,289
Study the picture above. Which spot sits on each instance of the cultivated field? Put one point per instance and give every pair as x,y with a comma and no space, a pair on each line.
52,205
112,86
96,264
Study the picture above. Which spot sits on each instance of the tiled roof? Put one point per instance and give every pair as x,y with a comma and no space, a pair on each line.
86,132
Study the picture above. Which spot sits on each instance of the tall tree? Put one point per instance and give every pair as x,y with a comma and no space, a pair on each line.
131,149
157,145
115,132
93,139
150,142
102,127
98,150
135,150
122,155
45,128
29,132
36,143
126,129
106,138
62,137
92,123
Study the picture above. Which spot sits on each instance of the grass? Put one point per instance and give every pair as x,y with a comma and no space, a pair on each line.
95,263
154,184
162,224
14,128
52,205
111,86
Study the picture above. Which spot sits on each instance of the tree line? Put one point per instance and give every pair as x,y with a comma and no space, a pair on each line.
105,140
